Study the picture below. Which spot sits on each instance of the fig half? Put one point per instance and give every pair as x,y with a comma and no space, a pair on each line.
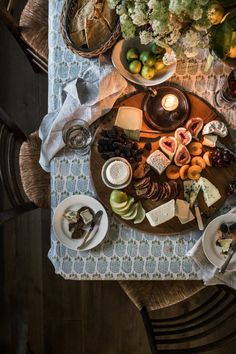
168,145
182,156
183,136
194,126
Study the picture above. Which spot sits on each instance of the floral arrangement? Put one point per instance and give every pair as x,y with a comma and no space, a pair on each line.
181,24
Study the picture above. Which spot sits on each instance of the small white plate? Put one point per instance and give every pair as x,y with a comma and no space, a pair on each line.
60,224
104,177
120,63
211,250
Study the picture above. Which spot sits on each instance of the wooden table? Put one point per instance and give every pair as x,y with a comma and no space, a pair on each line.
125,253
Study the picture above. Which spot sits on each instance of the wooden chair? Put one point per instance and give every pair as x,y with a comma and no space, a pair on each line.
31,31
200,329
26,184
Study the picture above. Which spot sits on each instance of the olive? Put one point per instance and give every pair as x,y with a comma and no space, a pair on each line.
224,228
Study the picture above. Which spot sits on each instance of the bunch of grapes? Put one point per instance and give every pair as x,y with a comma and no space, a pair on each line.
232,188
222,158
114,143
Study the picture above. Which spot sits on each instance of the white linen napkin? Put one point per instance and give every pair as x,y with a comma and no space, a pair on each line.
87,97
207,271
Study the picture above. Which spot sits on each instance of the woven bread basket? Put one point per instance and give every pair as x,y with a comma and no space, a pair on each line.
84,51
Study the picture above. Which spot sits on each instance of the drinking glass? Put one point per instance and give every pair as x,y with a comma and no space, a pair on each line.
77,136
226,96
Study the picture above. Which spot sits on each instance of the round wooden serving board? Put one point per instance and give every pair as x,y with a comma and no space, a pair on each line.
220,177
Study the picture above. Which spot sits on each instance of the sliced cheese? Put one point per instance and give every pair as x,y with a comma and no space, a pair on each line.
194,192
209,140
129,118
210,193
161,214
181,208
189,218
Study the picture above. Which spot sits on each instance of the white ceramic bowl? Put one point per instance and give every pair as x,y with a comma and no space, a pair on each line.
121,64
211,250
104,177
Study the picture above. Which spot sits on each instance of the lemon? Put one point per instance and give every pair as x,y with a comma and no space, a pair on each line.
147,58
159,65
215,13
135,67
132,54
148,72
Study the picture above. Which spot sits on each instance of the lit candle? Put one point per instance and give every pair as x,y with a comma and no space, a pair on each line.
170,102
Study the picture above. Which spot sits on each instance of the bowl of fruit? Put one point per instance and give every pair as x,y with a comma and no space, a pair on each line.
146,65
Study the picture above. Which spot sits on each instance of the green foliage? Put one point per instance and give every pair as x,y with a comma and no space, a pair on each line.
222,35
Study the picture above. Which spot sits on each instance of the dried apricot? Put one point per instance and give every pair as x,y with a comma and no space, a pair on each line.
195,148
183,172
198,160
207,158
172,172
194,172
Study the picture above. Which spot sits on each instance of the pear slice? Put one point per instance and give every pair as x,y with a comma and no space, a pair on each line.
140,214
124,210
132,214
115,205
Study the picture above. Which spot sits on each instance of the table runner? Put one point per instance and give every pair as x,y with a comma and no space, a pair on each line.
125,253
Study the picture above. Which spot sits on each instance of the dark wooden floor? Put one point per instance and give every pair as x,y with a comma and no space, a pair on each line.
57,316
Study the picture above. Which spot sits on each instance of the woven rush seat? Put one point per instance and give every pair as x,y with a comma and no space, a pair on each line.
155,295
34,26
35,181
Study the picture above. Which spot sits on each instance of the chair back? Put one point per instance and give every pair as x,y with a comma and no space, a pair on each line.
11,138
7,9
202,329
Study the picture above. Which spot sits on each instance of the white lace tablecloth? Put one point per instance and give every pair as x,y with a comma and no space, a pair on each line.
125,253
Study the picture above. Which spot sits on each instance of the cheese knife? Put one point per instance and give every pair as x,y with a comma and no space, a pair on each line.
93,229
198,216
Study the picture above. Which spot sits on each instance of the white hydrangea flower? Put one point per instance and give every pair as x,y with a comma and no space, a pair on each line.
197,14
191,39
169,57
146,37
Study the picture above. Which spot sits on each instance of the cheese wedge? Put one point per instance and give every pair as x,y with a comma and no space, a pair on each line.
189,218
161,214
210,193
194,192
209,140
181,208
129,118
187,189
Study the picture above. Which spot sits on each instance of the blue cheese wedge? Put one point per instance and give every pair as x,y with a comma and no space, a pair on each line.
194,192
161,214
158,161
187,189
209,140
181,208
210,193
189,218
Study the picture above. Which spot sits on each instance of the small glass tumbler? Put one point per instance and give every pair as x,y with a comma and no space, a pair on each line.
226,96
77,136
